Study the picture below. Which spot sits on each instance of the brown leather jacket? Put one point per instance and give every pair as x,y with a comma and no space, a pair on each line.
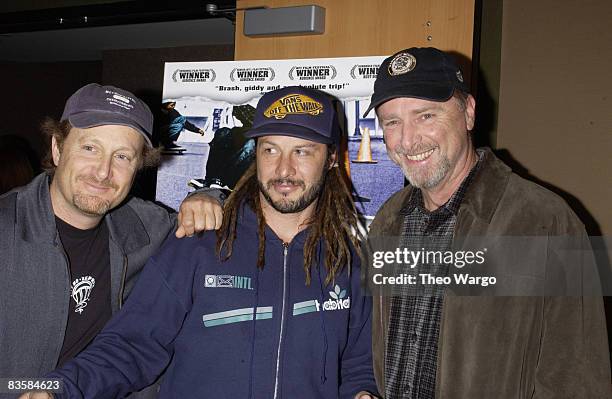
508,347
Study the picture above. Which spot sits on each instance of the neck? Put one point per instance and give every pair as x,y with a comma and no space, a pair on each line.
435,197
286,225
69,213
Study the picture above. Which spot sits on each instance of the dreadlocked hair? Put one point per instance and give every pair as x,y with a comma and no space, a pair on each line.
246,192
335,221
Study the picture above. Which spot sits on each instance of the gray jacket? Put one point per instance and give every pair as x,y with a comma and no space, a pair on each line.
34,276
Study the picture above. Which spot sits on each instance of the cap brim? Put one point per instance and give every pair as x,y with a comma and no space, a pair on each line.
288,129
85,120
422,92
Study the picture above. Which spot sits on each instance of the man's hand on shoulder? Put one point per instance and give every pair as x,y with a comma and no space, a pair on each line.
198,212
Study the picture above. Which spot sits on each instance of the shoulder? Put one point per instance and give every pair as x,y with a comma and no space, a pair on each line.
395,201
10,199
152,216
8,203
511,204
8,218
188,253
141,221
176,250
534,193
536,204
147,209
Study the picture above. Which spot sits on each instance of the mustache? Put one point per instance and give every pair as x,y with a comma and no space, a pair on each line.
414,150
106,183
293,182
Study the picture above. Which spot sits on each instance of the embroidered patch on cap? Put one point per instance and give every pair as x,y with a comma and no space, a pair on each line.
120,100
293,104
459,76
401,64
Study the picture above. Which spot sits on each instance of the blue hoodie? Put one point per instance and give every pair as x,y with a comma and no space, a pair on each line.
195,315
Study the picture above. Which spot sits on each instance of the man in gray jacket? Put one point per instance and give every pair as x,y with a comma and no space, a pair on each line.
72,241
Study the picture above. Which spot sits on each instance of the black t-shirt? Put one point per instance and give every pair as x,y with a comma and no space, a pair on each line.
90,304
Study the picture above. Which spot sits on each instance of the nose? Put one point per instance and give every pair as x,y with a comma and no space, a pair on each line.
285,166
104,167
409,136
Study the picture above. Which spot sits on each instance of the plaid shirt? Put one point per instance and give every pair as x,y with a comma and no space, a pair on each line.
412,347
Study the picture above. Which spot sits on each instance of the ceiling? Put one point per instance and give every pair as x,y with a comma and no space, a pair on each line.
82,32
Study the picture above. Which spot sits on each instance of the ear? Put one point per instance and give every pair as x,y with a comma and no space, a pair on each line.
470,112
55,151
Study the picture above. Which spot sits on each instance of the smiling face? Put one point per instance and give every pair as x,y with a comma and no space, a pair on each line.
95,169
291,172
429,140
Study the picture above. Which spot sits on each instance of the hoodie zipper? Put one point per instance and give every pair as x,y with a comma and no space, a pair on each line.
282,323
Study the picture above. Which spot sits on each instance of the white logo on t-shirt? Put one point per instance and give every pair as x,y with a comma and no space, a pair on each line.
81,290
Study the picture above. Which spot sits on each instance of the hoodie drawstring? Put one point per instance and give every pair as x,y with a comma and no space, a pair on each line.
323,329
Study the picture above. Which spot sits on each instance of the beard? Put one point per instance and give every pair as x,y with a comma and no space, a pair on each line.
426,177
92,204
292,206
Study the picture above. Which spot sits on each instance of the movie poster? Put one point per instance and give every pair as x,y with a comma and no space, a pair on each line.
207,107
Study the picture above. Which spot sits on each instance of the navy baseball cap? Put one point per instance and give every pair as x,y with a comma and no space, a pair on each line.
94,105
298,112
425,73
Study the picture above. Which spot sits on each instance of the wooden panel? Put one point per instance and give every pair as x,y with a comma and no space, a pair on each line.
555,105
367,27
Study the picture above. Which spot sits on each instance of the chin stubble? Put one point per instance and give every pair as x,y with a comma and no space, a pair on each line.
294,206
427,178
90,204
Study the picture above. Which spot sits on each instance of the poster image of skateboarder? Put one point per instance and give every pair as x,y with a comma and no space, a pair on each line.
230,152
172,123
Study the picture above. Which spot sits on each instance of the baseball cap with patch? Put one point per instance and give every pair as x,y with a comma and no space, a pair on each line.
94,105
425,73
298,112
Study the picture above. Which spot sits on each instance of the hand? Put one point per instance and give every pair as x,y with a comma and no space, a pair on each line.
364,395
198,212
202,132
36,395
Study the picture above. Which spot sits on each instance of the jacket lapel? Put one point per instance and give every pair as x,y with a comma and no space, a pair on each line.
483,194
35,219
126,229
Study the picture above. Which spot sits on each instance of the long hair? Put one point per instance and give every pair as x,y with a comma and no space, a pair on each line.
334,222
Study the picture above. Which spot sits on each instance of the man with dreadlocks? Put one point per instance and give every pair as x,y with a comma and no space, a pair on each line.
270,309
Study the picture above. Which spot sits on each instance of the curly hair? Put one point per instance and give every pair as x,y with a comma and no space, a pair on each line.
50,127
334,222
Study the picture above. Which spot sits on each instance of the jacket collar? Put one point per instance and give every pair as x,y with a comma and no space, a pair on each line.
126,228
36,221
487,188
